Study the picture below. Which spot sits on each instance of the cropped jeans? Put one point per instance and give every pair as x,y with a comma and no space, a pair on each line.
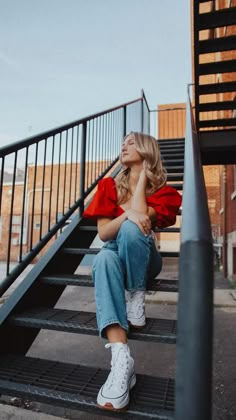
124,263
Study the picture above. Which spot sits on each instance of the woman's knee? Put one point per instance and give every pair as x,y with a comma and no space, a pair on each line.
130,231
105,258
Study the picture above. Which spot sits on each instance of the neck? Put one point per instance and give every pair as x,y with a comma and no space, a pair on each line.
134,174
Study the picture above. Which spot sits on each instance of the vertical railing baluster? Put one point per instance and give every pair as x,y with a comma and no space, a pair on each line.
90,180
82,164
97,147
33,198
76,167
100,143
124,121
94,150
58,177
71,164
24,220
1,183
64,190
51,185
42,193
87,170
105,140
11,213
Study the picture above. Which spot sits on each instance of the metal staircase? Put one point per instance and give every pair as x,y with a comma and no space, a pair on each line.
31,307
215,79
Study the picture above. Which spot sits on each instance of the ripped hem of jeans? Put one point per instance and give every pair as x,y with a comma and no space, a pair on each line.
102,332
141,288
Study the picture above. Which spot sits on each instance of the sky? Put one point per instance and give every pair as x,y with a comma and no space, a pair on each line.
61,60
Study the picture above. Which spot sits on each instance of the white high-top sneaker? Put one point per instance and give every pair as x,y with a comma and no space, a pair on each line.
135,307
114,394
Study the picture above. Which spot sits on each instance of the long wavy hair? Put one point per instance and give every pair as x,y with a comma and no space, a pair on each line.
148,149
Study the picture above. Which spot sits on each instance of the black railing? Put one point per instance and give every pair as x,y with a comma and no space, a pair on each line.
195,307
46,178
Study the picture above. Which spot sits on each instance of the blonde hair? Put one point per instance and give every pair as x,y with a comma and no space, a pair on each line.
148,149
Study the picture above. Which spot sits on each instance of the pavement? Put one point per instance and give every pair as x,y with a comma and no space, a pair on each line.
154,359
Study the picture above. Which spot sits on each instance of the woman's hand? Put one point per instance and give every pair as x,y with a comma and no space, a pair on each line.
142,220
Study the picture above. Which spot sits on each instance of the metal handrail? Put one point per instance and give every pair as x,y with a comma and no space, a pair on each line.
68,162
5,150
195,306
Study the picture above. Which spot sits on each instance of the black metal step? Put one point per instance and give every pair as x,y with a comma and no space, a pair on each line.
173,162
217,88
171,146
155,285
217,18
168,230
178,187
171,142
172,155
94,229
215,106
78,322
226,43
175,169
175,177
94,251
223,122
225,66
77,386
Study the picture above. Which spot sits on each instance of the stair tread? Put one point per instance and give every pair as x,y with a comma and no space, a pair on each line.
76,386
217,18
80,322
94,251
225,43
172,155
179,140
223,122
215,106
94,229
174,162
217,88
225,66
159,284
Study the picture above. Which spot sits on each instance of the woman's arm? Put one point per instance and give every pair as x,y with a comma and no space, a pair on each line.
108,228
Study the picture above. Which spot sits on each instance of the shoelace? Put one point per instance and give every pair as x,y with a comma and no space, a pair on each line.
119,366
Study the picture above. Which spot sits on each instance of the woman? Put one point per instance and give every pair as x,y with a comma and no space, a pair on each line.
126,210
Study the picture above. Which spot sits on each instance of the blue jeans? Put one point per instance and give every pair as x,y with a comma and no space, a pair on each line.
124,263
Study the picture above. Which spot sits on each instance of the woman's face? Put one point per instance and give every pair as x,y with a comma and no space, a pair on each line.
129,154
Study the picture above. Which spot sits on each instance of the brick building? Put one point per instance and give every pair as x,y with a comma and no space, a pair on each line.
38,206
227,173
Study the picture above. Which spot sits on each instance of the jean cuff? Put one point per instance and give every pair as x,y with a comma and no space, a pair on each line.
102,333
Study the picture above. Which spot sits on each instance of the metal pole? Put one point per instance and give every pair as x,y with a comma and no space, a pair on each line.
124,122
142,111
195,305
82,165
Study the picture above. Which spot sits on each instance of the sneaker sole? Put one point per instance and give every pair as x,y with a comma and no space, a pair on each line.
109,406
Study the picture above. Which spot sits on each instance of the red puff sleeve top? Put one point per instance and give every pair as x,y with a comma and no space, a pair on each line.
166,203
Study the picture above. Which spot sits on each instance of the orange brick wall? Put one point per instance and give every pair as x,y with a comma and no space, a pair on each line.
231,203
47,201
